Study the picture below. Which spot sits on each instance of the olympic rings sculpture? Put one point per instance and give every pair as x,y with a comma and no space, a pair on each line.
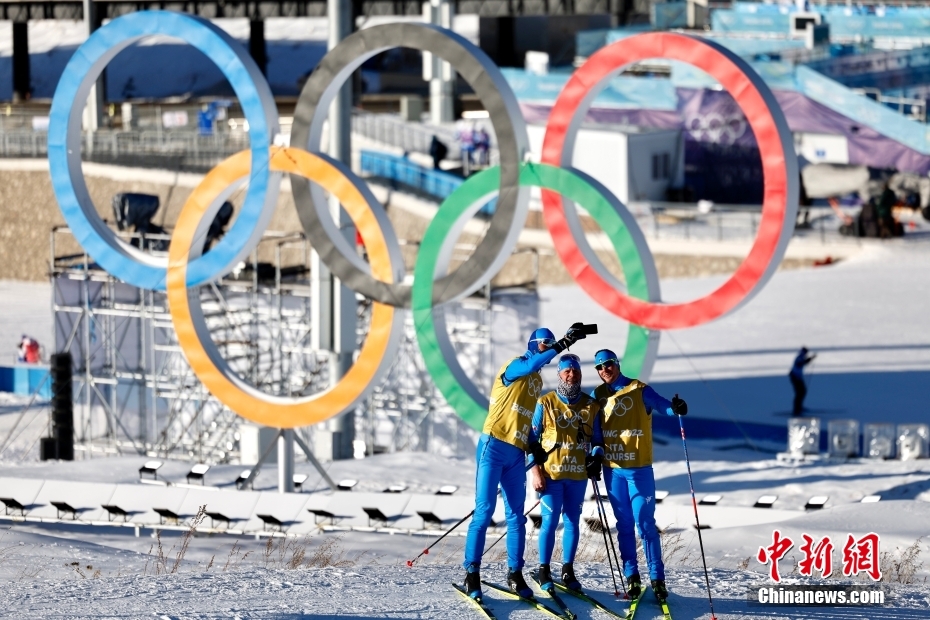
381,278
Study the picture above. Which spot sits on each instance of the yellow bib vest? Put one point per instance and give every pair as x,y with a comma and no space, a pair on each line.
626,425
510,413
560,424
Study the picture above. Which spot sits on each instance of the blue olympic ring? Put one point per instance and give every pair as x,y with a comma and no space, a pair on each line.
127,263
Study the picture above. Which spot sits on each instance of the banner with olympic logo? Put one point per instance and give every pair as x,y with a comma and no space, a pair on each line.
381,277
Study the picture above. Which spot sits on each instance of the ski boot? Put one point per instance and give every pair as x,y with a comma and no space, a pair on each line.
545,577
658,586
473,582
568,578
634,586
518,584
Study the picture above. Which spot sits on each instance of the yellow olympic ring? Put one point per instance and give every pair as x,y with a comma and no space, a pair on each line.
194,338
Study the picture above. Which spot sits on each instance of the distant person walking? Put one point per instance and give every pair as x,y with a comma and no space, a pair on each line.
482,145
438,151
465,135
797,379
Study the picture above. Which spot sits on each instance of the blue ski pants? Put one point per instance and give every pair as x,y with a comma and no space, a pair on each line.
499,463
561,497
632,494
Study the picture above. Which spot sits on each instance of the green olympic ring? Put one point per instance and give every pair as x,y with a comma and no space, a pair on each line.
436,250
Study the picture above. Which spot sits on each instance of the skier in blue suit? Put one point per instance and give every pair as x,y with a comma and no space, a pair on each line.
626,433
501,456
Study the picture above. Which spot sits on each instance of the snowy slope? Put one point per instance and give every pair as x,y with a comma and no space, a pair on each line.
864,316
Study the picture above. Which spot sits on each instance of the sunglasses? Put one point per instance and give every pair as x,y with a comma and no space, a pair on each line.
605,364
549,342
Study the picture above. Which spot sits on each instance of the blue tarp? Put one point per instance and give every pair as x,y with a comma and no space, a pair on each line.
662,94
620,93
862,109
847,22
24,379
436,183
910,23
733,20
667,15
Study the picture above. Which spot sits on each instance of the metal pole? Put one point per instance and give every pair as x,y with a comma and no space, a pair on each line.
334,308
93,113
439,73
286,461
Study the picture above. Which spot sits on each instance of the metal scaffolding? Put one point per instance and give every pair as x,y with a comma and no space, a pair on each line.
136,394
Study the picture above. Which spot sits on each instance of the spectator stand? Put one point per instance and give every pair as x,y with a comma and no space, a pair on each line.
326,517
11,505
299,480
429,513
245,480
86,498
378,518
19,495
64,508
170,507
198,472
139,504
373,512
117,513
406,174
167,516
227,511
278,514
150,468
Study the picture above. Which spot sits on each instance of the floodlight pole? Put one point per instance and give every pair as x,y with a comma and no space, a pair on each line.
286,460
334,305
96,102
436,71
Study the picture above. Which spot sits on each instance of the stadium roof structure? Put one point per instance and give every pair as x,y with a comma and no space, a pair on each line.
23,10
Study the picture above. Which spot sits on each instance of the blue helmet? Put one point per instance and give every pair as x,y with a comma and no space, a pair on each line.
606,355
543,335
569,360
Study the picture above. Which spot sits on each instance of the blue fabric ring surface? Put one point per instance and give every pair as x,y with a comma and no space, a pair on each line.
113,254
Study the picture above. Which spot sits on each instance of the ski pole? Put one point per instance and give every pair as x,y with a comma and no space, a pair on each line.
435,542
605,528
697,521
613,549
466,517
501,537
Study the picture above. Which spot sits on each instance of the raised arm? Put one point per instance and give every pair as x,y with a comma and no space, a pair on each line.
523,366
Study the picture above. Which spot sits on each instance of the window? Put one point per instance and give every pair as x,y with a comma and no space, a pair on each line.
661,166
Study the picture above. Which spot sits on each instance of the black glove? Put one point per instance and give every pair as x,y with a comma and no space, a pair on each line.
679,406
576,332
539,455
562,344
593,464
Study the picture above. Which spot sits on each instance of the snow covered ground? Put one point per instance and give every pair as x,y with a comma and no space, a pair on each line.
865,318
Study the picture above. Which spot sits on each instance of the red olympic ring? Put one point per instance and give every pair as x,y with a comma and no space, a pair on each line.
779,166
